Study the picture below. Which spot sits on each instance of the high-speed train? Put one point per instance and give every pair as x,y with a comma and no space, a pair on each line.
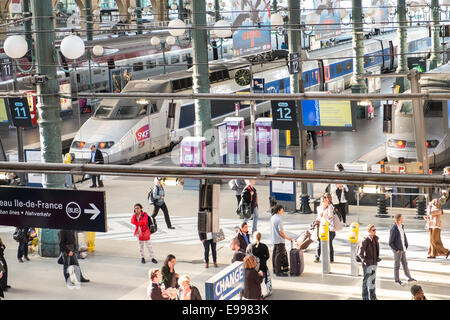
401,143
127,130
148,64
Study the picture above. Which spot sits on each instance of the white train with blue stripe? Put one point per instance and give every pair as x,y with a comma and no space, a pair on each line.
128,130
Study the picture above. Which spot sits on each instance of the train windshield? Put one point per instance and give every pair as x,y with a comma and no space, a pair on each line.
123,110
103,111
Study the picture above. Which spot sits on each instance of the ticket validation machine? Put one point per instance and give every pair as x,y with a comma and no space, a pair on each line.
235,140
193,152
266,140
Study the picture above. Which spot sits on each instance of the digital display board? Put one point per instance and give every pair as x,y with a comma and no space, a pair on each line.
327,115
284,115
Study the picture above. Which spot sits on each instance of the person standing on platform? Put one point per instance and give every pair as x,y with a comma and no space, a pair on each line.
434,225
243,236
238,185
169,276
399,243
369,253
253,279
159,195
187,291
67,245
22,238
140,220
326,211
154,291
96,157
278,240
2,272
261,251
4,280
208,241
250,196
314,138
239,254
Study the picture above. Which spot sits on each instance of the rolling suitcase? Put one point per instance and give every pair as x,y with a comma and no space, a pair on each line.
296,261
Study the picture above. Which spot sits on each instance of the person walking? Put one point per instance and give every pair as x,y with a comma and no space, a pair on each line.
188,291
159,203
250,197
339,196
96,157
67,245
313,138
243,236
325,211
140,220
238,185
369,253
434,225
169,276
278,240
238,254
253,279
154,291
261,251
208,242
22,238
4,279
399,244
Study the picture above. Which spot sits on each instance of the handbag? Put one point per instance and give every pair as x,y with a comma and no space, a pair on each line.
218,236
60,259
245,209
232,185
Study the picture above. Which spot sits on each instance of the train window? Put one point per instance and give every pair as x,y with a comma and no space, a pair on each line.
406,107
432,109
103,111
78,78
174,59
144,110
185,56
225,49
161,62
154,108
366,60
138,66
339,68
348,66
151,64
305,77
127,112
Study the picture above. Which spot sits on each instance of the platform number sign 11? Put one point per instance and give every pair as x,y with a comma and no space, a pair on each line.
20,112
284,115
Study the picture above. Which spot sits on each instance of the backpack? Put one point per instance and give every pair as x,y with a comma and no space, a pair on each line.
19,235
150,198
152,226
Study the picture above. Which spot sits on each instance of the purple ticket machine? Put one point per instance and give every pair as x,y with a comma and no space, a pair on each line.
193,152
266,140
235,139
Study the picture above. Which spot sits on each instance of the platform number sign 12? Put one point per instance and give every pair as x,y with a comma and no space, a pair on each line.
284,115
20,112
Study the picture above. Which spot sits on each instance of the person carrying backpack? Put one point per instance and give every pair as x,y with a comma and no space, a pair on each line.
142,231
21,236
156,197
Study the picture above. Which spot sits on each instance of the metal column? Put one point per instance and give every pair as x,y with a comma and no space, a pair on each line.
49,110
139,16
403,45
435,58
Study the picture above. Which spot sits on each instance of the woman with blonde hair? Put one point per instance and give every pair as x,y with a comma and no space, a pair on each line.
434,225
253,279
187,291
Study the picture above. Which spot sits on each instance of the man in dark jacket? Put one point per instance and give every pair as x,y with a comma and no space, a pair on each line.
67,245
239,254
4,280
399,243
96,157
369,253
243,236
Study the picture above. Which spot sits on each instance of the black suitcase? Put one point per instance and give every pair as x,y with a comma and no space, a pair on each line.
285,262
296,261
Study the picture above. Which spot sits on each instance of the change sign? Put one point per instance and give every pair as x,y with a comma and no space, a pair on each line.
53,208
227,284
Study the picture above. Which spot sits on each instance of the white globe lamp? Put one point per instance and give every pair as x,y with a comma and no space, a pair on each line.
170,40
72,47
276,20
222,29
15,47
98,50
176,27
155,41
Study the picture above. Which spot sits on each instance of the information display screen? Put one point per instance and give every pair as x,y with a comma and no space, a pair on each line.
327,115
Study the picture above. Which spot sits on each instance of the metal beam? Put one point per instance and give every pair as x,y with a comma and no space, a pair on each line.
232,173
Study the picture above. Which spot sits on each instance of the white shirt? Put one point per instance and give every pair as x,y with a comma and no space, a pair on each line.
402,236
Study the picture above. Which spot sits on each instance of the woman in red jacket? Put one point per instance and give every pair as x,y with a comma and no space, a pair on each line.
140,220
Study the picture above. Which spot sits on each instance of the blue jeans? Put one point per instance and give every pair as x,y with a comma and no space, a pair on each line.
255,219
22,250
368,284
206,245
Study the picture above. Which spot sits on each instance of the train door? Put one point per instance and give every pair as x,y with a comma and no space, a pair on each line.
383,58
321,76
158,129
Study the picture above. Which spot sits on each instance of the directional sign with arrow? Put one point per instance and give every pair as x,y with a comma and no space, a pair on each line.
53,208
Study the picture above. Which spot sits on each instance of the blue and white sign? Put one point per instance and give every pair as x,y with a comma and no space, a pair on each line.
227,284
283,190
258,85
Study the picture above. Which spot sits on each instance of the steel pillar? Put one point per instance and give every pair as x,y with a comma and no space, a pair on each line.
435,58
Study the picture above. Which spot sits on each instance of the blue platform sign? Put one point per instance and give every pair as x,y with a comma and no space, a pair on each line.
258,85
227,284
20,112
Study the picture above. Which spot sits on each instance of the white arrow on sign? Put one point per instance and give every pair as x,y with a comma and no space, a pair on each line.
93,211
